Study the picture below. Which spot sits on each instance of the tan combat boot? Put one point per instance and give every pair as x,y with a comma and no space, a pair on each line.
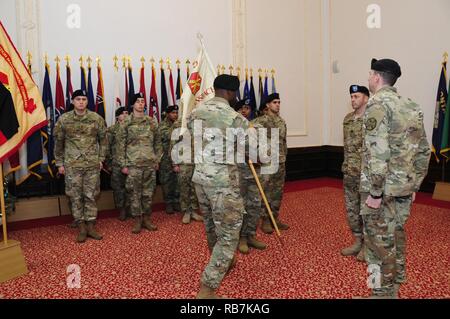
206,293
281,226
137,225
82,235
148,224
266,226
243,247
353,249
186,218
253,242
122,215
91,232
197,217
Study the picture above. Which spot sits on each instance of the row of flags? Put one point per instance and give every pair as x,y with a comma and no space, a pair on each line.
441,127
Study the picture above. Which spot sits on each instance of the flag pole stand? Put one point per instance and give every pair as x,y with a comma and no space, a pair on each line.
12,261
442,189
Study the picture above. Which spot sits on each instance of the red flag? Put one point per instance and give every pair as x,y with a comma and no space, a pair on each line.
153,111
142,85
59,95
172,91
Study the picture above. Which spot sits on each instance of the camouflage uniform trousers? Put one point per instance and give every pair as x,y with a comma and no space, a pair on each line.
353,203
169,183
82,187
252,202
140,185
118,180
188,198
274,187
223,211
385,239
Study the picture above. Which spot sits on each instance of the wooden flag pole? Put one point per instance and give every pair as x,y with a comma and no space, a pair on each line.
2,203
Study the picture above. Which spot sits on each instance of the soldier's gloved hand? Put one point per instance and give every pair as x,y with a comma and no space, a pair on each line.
125,170
61,170
176,168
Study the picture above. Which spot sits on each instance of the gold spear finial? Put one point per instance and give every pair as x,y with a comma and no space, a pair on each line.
445,57
29,57
223,69
260,71
251,72
116,59
188,62
273,72
246,72
238,70
98,60
161,62
168,63
67,58
124,61
89,61
218,69
143,61
177,62
129,61
57,60
46,59
231,69
81,61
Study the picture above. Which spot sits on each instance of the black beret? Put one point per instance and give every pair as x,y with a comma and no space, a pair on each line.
135,97
240,104
79,93
271,97
227,82
172,108
120,110
386,65
359,89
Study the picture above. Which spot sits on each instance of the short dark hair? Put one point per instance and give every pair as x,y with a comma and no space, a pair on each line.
388,78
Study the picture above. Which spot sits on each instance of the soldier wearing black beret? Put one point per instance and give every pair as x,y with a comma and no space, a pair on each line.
243,106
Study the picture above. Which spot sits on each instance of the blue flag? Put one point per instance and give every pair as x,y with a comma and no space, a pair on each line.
252,99
90,92
130,85
47,99
83,78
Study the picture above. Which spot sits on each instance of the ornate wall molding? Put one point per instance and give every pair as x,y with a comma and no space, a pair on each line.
29,33
239,33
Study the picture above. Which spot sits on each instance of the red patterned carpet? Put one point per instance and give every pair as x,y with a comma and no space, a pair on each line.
168,263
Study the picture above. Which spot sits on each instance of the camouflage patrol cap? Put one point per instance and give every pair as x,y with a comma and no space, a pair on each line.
359,89
172,108
79,93
386,65
136,97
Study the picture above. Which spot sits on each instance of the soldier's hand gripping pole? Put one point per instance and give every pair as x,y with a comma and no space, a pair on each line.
263,195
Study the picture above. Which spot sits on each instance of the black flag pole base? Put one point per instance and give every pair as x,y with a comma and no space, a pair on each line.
12,261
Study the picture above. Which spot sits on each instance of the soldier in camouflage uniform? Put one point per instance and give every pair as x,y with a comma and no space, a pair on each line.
167,176
351,167
217,181
139,149
272,120
80,146
250,195
185,170
395,161
117,177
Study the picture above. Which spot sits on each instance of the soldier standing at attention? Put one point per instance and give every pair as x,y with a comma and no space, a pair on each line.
168,177
117,178
272,120
394,163
217,180
250,195
80,147
139,149
351,167
185,170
